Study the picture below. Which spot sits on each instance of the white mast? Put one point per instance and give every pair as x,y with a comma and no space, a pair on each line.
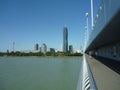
92,14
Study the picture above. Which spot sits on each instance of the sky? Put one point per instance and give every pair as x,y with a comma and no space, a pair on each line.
27,22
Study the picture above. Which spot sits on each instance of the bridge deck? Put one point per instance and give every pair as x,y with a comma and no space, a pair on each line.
105,78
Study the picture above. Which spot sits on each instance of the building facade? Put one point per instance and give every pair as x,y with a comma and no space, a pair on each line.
52,50
36,47
70,48
44,48
65,39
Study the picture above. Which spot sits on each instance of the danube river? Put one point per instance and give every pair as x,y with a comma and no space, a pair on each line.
39,73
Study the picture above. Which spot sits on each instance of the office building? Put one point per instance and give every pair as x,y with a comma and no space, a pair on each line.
52,50
44,48
36,47
70,48
65,39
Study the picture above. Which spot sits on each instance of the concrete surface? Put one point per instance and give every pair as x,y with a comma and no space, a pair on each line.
105,78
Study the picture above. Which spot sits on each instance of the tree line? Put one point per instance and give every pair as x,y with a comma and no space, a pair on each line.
17,53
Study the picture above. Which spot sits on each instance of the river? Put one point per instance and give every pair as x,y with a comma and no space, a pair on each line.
39,73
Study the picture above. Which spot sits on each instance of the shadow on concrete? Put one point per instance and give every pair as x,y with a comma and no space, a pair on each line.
112,64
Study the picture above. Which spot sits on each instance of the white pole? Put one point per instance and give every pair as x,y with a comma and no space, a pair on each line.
85,39
87,27
92,13
86,30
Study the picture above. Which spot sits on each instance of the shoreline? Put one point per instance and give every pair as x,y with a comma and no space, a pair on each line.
40,54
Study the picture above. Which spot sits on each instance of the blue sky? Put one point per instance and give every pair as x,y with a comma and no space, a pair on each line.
27,22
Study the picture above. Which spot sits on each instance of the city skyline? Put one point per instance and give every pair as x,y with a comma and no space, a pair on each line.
27,22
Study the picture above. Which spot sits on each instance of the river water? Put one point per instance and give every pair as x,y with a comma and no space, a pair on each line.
39,73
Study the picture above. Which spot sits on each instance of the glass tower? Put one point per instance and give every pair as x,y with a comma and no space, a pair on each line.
65,39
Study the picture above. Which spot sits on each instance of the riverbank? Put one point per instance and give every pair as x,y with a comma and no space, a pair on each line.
61,54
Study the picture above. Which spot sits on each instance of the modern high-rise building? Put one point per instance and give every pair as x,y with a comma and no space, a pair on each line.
36,47
44,48
70,48
65,39
52,50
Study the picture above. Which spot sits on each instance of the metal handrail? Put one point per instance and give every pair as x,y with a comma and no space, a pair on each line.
86,80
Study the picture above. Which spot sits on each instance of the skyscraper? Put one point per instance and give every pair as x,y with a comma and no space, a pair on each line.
65,39
36,47
44,48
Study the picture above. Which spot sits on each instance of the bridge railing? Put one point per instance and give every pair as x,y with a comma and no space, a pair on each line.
86,80
107,10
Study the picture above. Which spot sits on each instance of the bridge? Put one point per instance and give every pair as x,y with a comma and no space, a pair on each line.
101,63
